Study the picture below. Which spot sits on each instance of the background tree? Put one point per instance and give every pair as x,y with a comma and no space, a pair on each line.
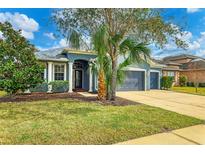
143,25
19,69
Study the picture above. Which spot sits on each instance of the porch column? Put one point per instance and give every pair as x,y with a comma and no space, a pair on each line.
50,71
70,78
147,80
45,74
90,78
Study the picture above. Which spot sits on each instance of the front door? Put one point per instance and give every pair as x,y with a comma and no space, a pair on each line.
78,78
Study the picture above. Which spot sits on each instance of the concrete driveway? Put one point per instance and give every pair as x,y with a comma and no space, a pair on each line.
187,104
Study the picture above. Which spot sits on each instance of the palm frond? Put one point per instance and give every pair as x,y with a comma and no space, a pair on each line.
133,52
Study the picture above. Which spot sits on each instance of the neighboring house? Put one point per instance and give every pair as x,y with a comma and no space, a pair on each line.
75,66
191,66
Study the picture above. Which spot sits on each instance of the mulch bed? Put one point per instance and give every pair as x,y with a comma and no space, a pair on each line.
74,95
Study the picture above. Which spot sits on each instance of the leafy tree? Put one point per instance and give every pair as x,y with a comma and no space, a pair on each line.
19,69
143,25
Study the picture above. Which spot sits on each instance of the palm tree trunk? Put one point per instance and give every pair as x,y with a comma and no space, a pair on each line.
113,79
101,85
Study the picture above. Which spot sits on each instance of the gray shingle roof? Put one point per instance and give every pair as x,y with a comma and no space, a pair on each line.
51,54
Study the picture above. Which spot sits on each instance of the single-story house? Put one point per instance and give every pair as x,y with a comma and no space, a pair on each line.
193,67
75,66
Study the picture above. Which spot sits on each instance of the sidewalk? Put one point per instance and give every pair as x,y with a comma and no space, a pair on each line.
194,135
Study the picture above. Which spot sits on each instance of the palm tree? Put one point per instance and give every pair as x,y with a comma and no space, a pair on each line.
100,41
131,51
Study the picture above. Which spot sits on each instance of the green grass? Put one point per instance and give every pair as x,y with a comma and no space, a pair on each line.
190,90
2,93
72,122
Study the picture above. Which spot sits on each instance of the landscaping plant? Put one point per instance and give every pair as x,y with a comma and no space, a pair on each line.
166,82
182,81
19,69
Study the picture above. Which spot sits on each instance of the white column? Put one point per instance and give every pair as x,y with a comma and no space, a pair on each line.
159,79
148,80
70,76
50,71
90,78
45,74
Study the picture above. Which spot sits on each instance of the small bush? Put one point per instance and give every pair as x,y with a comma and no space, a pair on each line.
201,84
182,81
40,88
166,82
59,86
190,84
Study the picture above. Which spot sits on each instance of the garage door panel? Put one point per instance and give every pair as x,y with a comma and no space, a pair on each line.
134,80
154,80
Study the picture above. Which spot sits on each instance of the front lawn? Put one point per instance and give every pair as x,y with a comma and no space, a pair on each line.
64,121
190,90
2,93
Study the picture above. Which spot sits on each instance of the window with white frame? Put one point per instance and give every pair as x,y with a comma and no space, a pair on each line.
170,73
59,71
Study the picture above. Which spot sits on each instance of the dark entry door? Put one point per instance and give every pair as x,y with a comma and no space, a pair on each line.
78,78
154,80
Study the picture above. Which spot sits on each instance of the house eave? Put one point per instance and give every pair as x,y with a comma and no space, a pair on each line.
53,59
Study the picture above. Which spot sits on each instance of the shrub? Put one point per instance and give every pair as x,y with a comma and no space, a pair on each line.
182,80
201,84
166,82
190,84
59,86
40,88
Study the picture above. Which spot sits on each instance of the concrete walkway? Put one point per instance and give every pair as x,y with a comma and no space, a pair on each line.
194,135
87,94
187,104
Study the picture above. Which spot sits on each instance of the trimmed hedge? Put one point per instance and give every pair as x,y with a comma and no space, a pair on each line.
190,84
59,86
201,84
40,88
166,82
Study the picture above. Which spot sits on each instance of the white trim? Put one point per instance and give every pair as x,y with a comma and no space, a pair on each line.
96,82
133,69
157,71
45,74
90,78
70,77
50,65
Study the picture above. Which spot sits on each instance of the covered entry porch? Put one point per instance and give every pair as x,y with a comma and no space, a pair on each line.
80,74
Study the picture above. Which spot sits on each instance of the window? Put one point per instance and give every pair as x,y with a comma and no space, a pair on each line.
42,76
77,65
59,72
170,73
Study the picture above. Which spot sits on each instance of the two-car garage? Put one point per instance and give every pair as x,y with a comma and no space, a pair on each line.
135,80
